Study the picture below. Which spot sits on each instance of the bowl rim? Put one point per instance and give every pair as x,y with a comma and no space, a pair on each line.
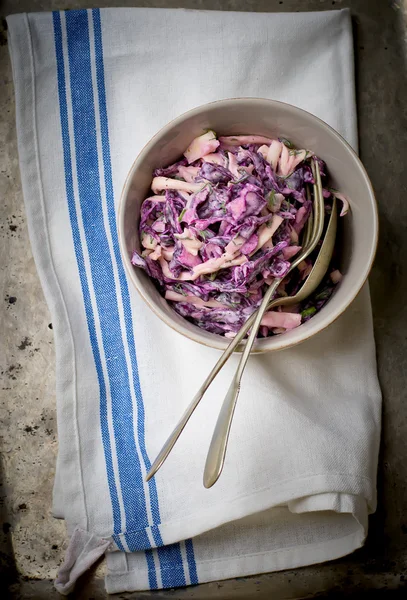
220,343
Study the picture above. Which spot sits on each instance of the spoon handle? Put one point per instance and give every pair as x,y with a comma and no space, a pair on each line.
217,449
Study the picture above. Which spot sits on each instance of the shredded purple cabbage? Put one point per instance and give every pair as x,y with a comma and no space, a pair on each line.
226,221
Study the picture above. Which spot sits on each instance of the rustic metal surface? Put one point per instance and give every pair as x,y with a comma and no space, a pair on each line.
31,541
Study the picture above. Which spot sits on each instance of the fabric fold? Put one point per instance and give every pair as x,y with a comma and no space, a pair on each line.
83,551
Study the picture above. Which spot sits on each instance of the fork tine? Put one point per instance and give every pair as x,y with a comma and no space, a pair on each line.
321,202
309,224
316,200
307,232
319,209
313,228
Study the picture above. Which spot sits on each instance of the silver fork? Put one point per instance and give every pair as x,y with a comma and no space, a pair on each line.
312,235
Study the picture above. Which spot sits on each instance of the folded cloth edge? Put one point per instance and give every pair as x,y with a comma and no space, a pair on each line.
84,549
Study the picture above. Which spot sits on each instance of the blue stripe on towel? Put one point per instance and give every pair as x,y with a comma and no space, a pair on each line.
104,129
152,577
172,568
170,557
130,476
102,268
193,575
81,268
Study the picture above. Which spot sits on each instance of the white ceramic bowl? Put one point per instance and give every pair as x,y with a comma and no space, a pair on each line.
272,119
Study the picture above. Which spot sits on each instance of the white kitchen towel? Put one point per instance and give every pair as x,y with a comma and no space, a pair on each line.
299,480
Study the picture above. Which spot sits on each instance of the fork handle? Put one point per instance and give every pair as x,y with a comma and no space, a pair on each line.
169,444
178,429
217,449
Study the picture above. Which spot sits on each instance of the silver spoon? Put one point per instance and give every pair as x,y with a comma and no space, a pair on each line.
217,449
